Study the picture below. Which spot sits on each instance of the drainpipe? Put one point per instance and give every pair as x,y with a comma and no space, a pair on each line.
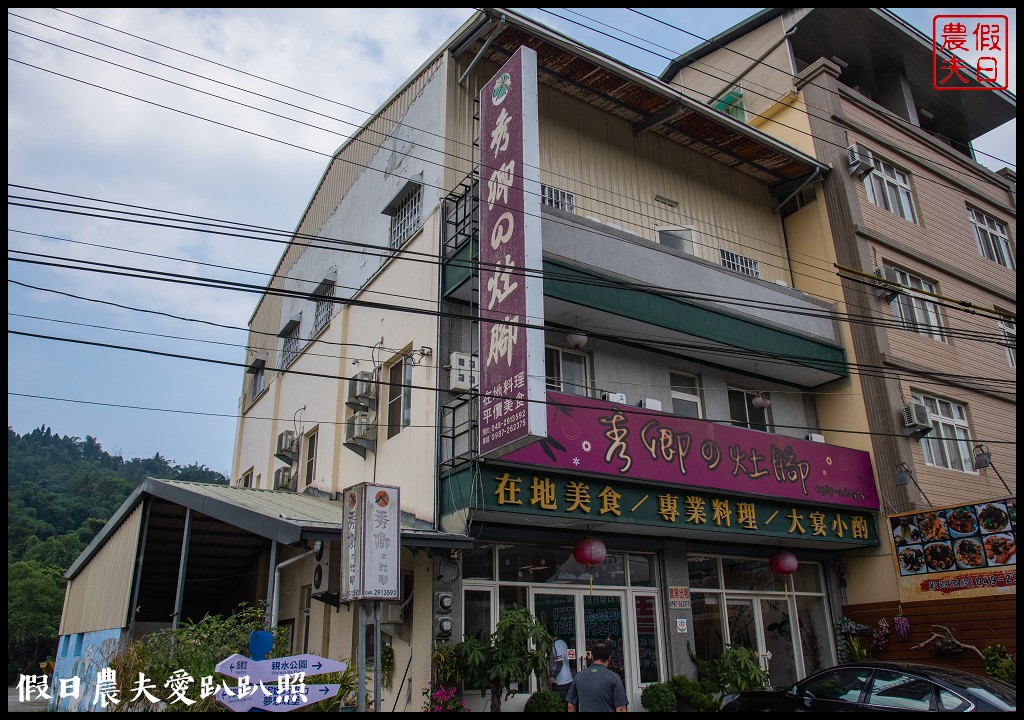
277,584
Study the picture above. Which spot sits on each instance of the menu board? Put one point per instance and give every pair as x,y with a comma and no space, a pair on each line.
969,547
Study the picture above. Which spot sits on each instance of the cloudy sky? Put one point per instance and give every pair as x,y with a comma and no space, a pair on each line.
159,117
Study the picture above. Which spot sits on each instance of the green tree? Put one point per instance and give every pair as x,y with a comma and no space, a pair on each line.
35,595
518,647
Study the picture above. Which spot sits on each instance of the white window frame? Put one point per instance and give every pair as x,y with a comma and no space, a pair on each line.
949,444
914,311
310,451
889,188
747,421
1009,330
739,263
555,381
399,411
679,394
991,238
557,198
408,218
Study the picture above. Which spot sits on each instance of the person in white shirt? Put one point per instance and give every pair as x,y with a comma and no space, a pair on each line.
560,667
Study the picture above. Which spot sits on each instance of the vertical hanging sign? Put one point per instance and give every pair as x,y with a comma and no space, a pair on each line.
512,411
371,551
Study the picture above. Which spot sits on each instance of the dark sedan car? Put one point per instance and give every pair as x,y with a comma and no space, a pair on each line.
881,686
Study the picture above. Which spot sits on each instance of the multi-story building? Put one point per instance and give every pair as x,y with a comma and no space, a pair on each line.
565,308
914,240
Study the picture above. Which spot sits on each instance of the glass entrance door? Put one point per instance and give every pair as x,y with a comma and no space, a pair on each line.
763,625
583,620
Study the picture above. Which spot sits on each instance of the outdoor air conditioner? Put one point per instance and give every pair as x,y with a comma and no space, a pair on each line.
360,389
286,447
463,372
611,397
357,426
326,573
283,479
816,437
860,165
887,291
650,404
917,418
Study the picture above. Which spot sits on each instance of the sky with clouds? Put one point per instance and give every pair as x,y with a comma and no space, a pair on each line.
211,116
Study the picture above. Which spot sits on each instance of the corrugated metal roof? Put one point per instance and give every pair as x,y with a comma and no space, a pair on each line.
281,516
647,103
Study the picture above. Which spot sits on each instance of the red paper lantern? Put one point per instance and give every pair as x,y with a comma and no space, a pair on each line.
589,551
783,563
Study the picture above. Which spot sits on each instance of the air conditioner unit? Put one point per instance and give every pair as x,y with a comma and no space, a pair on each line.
326,573
392,613
283,479
286,447
887,290
860,165
357,426
360,388
917,419
463,372
816,437
650,404
611,397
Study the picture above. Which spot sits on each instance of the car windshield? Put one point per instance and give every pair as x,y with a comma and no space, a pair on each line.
1000,697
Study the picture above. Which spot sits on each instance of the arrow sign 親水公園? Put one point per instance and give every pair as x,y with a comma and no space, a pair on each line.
258,700
238,666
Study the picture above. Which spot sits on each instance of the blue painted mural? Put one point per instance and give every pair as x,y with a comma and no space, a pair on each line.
82,656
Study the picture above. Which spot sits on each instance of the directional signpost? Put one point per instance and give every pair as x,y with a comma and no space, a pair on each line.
262,676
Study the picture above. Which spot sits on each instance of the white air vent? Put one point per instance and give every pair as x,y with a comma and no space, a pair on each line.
283,479
891,287
860,164
286,447
917,418
611,397
650,404
816,437
463,372
680,239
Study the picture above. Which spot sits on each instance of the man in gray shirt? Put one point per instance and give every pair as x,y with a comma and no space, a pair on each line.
597,689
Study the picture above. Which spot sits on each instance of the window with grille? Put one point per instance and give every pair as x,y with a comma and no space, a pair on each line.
407,219
916,312
557,198
399,396
685,396
889,188
949,445
739,263
566,371
290,345
991,238
733,105
1009,329
324,295
742,412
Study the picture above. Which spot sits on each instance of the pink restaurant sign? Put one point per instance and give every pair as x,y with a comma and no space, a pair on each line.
511,300
598,438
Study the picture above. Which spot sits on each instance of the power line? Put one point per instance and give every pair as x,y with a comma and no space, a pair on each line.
703,222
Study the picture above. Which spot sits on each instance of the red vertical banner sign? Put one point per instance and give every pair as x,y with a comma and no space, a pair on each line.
512,411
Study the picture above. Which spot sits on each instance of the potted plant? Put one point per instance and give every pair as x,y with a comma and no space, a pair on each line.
739,670
502,664
545,701
658,698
